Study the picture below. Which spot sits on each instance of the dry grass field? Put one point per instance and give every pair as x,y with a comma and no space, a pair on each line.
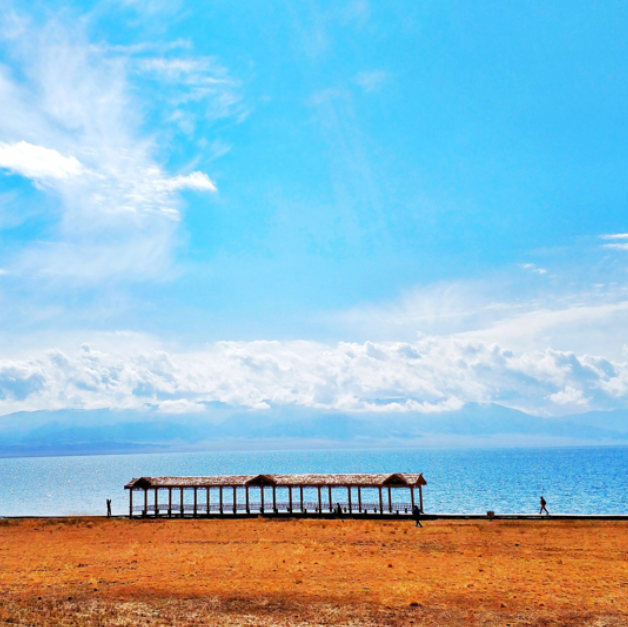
312,572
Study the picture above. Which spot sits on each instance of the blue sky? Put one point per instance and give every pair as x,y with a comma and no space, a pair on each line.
180,181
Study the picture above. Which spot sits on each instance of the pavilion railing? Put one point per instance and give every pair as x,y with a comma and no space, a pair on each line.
283,507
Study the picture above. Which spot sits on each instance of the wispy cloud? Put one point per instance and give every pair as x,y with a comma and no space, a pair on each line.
531,267
71,123
513,310
372,81
199,80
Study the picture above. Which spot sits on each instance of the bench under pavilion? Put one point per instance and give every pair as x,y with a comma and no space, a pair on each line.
303,494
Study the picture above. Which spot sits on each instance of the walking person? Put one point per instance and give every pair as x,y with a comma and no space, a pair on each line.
108,508
416,514
543,507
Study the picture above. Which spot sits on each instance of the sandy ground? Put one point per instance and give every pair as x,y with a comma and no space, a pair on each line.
313,572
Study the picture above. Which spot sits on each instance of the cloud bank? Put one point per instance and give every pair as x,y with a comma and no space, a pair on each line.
430,375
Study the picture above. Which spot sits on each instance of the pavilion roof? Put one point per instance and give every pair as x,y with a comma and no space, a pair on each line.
372,480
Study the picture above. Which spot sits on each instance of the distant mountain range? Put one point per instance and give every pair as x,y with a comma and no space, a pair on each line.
82,432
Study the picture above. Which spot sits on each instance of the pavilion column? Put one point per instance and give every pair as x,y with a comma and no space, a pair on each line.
195,501
359,498
275,499
421,498
248,509
301,494
412,496
331,507
145,501
290,499
182,502
156,502
221,500
207,499
234,500
349,493
170,502
131,503
390,499
381,501
320,501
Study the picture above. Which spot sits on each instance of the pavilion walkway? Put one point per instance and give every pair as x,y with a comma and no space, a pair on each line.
253,495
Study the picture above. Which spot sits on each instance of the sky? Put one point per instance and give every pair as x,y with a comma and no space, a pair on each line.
358,206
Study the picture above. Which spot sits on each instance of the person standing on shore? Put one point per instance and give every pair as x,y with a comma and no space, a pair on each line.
416,514
108,508
543,507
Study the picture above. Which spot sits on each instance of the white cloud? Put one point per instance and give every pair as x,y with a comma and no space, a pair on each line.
615,236
37,162
430,375
197,180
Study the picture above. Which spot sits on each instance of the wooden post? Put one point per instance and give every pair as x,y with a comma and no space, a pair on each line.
290,499
261,494
301,491
248,509
421,498
156,502
389,499
331,507
349,493
131,503
195,501
221,500
320,501
182,512
207,500
145,501
170,502
359,498
381,501
274,499
412,496
234,500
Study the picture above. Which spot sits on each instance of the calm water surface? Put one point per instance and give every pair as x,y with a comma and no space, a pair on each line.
573,480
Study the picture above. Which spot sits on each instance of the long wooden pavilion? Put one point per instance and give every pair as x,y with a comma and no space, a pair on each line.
307,494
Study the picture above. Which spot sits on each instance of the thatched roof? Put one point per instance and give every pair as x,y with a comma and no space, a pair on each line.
307,480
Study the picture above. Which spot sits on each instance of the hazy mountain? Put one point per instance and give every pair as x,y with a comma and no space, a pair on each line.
221,426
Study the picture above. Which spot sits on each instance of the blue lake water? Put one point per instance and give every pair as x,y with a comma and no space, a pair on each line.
591,480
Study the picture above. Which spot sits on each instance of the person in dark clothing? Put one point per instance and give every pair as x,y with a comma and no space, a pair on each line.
543,507
108,508
416,514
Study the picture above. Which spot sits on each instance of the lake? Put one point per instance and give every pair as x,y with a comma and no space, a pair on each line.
588,480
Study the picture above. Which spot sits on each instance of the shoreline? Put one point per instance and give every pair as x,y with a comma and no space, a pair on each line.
331,516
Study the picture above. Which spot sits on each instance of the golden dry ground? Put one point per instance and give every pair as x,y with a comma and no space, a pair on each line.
313,572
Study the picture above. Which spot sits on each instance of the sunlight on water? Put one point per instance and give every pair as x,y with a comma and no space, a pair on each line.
573,480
